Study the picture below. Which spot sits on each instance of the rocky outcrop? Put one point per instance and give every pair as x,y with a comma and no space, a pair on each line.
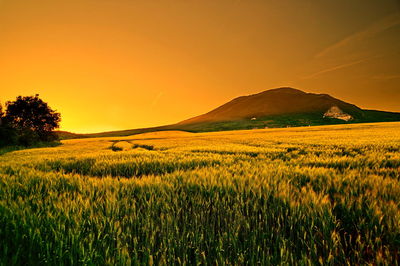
336,112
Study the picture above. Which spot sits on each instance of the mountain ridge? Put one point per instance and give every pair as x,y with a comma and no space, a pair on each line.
284,100
279,107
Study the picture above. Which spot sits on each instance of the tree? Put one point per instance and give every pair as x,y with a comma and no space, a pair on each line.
1,114
8,135
33,119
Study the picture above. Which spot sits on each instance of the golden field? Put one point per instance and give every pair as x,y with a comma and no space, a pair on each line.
311,195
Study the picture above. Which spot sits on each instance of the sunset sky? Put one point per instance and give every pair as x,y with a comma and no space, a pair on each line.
122,64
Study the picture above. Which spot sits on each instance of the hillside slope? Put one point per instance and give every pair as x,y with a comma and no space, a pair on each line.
281,107
281,101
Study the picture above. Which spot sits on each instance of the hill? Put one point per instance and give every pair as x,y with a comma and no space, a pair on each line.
274,102
69,135
281,107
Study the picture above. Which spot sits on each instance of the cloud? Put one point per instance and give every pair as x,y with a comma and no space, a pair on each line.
386,77
156,99
341,66
374,29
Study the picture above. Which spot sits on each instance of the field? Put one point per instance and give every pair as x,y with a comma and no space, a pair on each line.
311,195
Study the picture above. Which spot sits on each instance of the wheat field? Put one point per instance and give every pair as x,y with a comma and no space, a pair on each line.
312,195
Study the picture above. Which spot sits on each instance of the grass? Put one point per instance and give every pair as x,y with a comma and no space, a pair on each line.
314,195
261,122
6,149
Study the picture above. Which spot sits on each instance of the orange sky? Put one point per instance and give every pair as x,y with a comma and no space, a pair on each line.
121,64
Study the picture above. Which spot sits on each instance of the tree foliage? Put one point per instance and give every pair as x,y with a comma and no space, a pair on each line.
28,120
8,135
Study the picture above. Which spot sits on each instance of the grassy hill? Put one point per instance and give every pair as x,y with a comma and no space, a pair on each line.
282,107
281,101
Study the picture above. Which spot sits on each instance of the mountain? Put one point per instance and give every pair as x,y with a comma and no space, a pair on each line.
274,102
281,107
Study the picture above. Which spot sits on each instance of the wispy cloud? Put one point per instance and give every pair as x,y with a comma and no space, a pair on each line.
337,67
156,99
386,77
369,32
